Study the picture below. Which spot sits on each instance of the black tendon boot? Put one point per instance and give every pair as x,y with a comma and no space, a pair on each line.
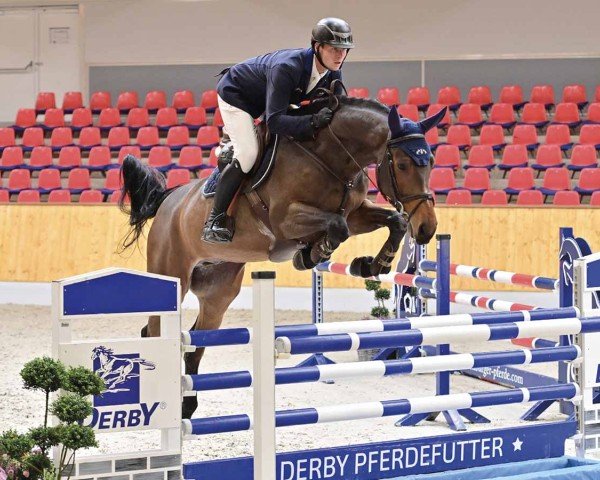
219,228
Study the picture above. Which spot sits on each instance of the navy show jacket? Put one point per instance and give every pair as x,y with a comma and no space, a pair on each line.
270,83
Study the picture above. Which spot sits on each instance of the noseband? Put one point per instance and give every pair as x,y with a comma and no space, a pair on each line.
398,200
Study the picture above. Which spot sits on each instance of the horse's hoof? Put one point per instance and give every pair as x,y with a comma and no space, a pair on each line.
361,267
302,260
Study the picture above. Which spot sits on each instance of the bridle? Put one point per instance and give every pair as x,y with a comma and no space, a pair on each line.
397,200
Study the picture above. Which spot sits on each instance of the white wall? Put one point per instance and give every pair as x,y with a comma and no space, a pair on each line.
223,31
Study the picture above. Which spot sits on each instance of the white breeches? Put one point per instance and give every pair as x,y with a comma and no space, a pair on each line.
239,125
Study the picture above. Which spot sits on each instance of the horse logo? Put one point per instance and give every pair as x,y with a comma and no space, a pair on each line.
118,370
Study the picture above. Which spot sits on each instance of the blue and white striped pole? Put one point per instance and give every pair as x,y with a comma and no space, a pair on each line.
358,411
435,336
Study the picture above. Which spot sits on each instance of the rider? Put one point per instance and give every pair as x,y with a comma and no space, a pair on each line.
269,84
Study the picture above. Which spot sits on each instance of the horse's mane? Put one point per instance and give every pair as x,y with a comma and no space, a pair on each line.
317,104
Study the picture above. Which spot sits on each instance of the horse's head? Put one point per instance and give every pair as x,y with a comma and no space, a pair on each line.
99,351
403,176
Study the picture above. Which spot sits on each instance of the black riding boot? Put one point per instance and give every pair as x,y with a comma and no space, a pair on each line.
219,228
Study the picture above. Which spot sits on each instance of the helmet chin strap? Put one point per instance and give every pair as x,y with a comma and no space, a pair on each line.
320,59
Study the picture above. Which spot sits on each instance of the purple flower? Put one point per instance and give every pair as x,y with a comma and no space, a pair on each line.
25,473
10,472
3,475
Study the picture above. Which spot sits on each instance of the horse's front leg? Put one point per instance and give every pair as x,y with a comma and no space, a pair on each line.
305,221
367,218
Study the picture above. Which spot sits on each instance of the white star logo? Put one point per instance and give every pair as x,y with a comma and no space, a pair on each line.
517,444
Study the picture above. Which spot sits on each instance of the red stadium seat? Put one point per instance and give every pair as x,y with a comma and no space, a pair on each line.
502,114
166,117
525,135
530,197
388,96
459,135
543,94
71,101
81,118
32,137
470,114
59,196
442,180
208,137
54,117
534,114
459,197
44,101
435,108
137,118
79,180
99,159
432,138
26,117
449,96
212,157
205,173
178,137
379,198
566,198
69,158
209,100
28,196
49,180
492,135
447,156
548,156
477,180
559,135
519,179
217,120
195,117
155,99
589,181
494,197
118,137
4,196
556,179
409,111
19,179
147,138
575,94
568,114
593,113
583,156
41,157
61,137
109,117
480,156
7,138
588,135
91,196
190,158
177,177
115,197
128,150
597,94
513,95
127,100
160,158
182,100
418,96
358,92
100,101
89,137
481,95
12,158
594,199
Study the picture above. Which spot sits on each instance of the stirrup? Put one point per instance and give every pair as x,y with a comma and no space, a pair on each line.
219,229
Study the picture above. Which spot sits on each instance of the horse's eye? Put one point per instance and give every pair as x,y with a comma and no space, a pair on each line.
401,166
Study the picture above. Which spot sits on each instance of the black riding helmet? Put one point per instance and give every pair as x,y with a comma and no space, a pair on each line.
332,31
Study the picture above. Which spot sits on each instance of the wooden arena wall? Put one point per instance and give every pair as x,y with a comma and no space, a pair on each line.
40,243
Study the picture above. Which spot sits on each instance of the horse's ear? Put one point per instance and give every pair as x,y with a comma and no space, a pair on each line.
394,122
432,121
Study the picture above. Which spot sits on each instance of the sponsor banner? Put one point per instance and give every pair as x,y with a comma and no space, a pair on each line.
404,457
142,378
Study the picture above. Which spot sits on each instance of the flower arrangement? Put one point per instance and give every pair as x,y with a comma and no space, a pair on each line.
25,456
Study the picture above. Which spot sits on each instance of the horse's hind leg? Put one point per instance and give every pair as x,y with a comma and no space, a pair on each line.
216,286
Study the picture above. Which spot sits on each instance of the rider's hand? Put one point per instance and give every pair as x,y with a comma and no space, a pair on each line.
322,118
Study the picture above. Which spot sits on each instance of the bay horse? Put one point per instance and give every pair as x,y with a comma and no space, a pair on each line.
314,199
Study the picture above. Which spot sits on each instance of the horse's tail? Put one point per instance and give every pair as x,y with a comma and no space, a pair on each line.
146,189
145,363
